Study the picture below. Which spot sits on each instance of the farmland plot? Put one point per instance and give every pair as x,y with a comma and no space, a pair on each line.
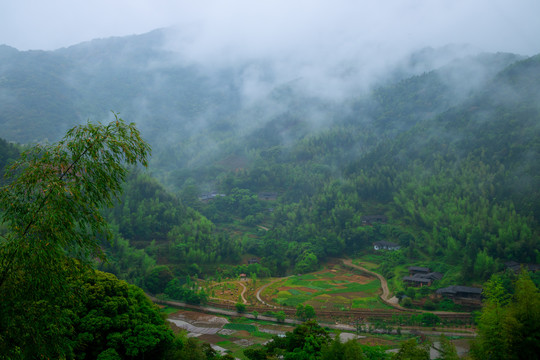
329,289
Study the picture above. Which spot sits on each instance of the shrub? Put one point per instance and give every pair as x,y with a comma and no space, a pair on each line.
241,308
407,302
429,305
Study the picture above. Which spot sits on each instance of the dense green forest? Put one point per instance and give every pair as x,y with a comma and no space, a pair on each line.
449,156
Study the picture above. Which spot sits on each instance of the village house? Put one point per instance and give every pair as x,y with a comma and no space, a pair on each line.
253,261
516,267
421,279
386,245
413,270
461,293
416,281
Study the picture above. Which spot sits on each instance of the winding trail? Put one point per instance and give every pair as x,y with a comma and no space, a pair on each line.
242,294
393,302
244,289
258,293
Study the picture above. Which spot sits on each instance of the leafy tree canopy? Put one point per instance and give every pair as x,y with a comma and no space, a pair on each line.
51,207
509,326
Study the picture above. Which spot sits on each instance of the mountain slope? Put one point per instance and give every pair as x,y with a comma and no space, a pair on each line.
450,156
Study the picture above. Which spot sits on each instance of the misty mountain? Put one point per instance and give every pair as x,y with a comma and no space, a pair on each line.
203,119
87,81
494,132
36,101
198,118
444,143
164,92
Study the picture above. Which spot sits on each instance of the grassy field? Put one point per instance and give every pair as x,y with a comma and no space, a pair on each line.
369,261
167,310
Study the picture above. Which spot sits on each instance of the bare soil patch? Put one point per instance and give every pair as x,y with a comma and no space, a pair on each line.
199,319
243,334
283,328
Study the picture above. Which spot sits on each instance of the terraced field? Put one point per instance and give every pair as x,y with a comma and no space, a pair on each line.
329,289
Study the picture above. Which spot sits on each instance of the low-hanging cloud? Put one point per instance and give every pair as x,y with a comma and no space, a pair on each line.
333,47
315,48
342,29
258,28
343,46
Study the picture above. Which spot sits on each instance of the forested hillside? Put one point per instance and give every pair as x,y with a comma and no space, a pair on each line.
449,156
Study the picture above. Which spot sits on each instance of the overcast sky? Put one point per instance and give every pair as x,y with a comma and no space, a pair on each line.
260,26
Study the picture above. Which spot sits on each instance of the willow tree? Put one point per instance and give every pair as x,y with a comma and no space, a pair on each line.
51,207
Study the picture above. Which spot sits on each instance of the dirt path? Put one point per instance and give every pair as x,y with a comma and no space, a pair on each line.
384,285
244,290
242,294
258,294
386,293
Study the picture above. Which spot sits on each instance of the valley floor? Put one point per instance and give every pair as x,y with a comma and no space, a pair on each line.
227,332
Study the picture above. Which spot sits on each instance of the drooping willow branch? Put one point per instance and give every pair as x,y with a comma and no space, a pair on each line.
119,142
